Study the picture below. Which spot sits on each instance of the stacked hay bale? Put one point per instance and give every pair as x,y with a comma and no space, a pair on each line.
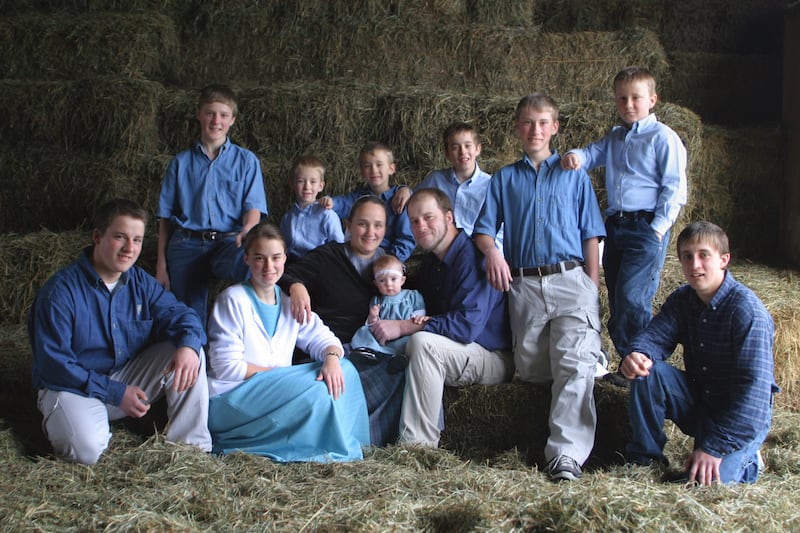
100,94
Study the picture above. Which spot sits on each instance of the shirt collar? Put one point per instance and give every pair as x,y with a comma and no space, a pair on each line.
644,124
94,279
551,161
199,147
727,286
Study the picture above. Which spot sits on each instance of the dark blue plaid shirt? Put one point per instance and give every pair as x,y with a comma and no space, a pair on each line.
727,351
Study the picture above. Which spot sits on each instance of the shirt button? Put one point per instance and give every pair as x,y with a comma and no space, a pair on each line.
705,369
702,344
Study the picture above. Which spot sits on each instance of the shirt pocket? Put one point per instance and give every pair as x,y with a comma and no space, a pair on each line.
136,334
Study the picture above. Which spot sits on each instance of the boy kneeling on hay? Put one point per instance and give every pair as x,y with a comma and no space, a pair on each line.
724,397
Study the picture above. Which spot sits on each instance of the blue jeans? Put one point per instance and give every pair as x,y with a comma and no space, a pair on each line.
665,394
193,262
632,261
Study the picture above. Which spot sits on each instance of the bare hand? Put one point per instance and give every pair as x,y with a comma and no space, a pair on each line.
497,271
387,330
419,320
301,302
374,314
703,468
161,274
331,373
570,162
186,365
400,198
635,365
326,202
134,402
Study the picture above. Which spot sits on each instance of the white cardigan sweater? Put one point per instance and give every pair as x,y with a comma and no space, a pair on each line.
237,337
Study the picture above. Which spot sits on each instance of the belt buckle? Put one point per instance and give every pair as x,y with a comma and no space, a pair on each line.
209,235
539,272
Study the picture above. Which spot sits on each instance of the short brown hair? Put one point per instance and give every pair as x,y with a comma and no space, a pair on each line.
376,146
442,200
633,74
311,161
539,102
455,128
707,232
105,215
218,93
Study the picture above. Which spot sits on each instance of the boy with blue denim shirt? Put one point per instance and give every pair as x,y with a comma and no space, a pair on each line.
724,397
377,166
645,164
212,194
550,267
307,224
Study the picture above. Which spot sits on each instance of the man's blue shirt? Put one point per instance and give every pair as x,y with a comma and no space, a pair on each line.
200,194
645,169
398,241
306,228
458,298
81,333
727,352
547,214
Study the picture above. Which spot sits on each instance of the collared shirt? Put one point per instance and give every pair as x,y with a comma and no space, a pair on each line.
547,213
727,352
398,241
458,298
645,169
81,333
200,194
467,197
306,228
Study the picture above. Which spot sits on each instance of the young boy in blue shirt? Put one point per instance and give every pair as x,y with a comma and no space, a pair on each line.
645,164
550,267
307,224
212,194
724,397
376,164
464,182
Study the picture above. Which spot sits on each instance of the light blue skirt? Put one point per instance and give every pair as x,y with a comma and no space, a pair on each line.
287,415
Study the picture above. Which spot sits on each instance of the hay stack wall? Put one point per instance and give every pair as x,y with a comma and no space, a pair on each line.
99,95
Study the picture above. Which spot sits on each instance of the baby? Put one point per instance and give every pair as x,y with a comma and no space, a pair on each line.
394,303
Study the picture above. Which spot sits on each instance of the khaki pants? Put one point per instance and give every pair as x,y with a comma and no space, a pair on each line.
436,361
78,427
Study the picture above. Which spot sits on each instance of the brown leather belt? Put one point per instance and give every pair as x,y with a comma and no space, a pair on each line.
547,270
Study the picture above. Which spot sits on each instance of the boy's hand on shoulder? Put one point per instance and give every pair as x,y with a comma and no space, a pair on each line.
326,202
497,271
400,199
570,161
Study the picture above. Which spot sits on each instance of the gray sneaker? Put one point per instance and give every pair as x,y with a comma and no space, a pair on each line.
563,468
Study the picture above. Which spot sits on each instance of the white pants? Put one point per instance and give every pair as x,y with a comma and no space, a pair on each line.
555,326
436,361
78,426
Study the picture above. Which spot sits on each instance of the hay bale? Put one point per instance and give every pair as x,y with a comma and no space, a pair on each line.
484,421
15,359
272,44
139,45
43,188
103,115
718,87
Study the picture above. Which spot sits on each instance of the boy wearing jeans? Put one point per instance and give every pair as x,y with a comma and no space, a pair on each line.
549,266
645,164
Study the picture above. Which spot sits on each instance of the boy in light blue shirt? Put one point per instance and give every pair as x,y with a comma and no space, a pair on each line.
645,164
464,182
307,224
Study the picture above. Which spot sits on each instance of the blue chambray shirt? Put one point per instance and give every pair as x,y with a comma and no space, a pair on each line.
458,298
547,214
306,228
645,169
467,197
398,241
81,333
727,352
199,194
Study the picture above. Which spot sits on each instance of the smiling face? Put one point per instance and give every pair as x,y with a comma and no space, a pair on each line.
462,150
367,227
535,128
376,168
703,267
118,247
634,100
306,184
430,224
216,119
266,259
